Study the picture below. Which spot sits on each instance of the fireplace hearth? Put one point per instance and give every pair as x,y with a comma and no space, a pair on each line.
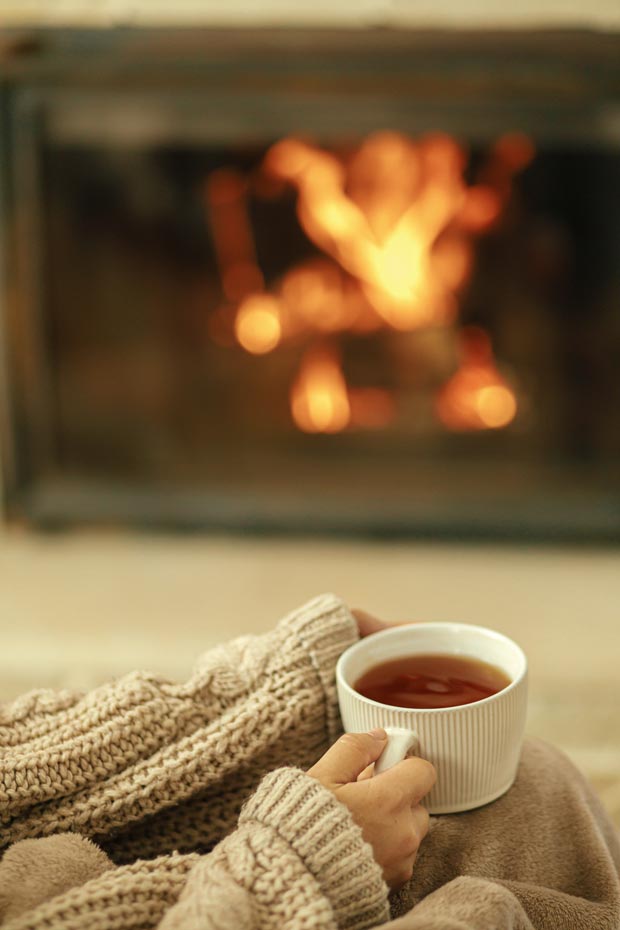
335,281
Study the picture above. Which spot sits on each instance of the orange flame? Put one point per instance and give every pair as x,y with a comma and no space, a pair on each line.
476,397
385,219
319,400
225,193
316,294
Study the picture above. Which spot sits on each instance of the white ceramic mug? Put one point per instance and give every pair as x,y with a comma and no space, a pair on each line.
474,747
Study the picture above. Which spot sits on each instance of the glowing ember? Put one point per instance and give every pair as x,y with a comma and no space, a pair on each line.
476,397
496,405
257,325
319,401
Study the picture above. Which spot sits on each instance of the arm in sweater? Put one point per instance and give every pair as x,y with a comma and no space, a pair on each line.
296,861
129,749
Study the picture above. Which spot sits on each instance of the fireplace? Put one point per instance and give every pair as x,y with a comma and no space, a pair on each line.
313,280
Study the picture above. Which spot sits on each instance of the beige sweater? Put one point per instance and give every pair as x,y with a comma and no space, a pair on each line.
145,767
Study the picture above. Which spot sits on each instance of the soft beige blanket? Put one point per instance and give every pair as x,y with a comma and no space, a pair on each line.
145,768
543,857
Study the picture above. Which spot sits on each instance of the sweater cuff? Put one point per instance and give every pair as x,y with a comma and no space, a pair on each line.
321,830
326,627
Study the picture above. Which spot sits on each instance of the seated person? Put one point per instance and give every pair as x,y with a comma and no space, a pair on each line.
233,801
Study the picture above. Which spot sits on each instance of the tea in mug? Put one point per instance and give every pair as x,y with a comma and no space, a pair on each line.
431,681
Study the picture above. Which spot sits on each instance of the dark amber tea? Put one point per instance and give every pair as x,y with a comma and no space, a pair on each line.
427,681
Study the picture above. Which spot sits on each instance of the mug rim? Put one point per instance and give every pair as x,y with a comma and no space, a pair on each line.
437,624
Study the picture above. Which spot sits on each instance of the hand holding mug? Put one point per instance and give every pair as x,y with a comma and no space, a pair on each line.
387,808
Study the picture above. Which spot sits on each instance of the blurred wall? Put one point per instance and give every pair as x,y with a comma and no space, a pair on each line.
422,13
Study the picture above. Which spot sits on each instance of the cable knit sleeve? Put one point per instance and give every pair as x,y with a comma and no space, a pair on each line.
100,762
296,861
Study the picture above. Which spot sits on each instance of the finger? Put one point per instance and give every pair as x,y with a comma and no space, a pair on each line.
367,773
413,777
402,874
349,756
367,623
420,822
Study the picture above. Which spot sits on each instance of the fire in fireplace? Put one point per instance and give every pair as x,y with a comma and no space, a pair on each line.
342,282
395,223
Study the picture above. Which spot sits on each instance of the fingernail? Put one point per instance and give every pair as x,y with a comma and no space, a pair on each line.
378,733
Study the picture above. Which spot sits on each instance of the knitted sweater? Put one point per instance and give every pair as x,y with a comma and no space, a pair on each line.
145,767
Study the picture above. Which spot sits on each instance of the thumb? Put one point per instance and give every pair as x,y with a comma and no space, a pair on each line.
348,757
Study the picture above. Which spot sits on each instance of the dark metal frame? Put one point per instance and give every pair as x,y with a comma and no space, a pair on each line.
563,86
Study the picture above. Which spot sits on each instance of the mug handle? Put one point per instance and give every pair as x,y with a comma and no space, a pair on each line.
399,744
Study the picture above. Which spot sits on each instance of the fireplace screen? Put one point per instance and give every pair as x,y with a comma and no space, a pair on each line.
387,326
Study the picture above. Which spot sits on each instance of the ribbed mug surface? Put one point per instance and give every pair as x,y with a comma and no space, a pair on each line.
474,747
